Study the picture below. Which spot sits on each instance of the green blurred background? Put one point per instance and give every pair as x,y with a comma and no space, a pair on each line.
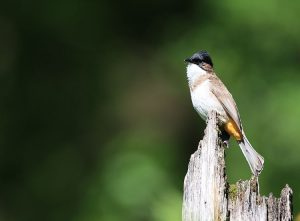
96,121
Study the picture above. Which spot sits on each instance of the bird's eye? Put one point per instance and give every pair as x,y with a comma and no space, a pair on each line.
196,60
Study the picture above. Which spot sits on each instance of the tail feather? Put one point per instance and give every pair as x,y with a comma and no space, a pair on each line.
254,159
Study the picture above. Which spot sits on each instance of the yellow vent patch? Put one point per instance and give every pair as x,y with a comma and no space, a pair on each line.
232,129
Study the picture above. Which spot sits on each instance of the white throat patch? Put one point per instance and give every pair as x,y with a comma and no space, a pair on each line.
194,71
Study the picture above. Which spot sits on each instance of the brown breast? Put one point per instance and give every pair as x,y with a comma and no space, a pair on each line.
198,82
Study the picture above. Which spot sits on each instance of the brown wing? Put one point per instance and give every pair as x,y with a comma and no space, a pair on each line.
226,99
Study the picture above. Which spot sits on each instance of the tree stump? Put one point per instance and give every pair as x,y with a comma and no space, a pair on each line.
207,195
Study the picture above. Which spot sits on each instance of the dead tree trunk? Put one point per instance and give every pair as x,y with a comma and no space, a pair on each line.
208,197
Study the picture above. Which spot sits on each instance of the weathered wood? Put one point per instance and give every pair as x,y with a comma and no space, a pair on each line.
245,203
207,195
205,187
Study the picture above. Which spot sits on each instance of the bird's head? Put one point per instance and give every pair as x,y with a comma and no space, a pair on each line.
202,59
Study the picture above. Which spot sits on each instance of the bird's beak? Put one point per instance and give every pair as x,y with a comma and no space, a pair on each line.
189,60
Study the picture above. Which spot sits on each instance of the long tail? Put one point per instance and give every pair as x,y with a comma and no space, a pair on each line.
254,159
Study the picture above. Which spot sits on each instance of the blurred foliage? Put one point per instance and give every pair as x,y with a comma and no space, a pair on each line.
95,111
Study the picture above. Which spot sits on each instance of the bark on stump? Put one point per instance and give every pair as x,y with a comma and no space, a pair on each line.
207,195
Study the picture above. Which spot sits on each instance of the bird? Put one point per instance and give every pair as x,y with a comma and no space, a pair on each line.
208,93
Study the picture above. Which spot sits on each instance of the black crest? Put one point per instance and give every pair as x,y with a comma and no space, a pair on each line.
199,57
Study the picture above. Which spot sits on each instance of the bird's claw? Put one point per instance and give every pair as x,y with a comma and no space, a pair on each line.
226,143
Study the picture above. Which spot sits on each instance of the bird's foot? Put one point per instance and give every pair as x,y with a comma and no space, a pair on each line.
226,143
225,138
